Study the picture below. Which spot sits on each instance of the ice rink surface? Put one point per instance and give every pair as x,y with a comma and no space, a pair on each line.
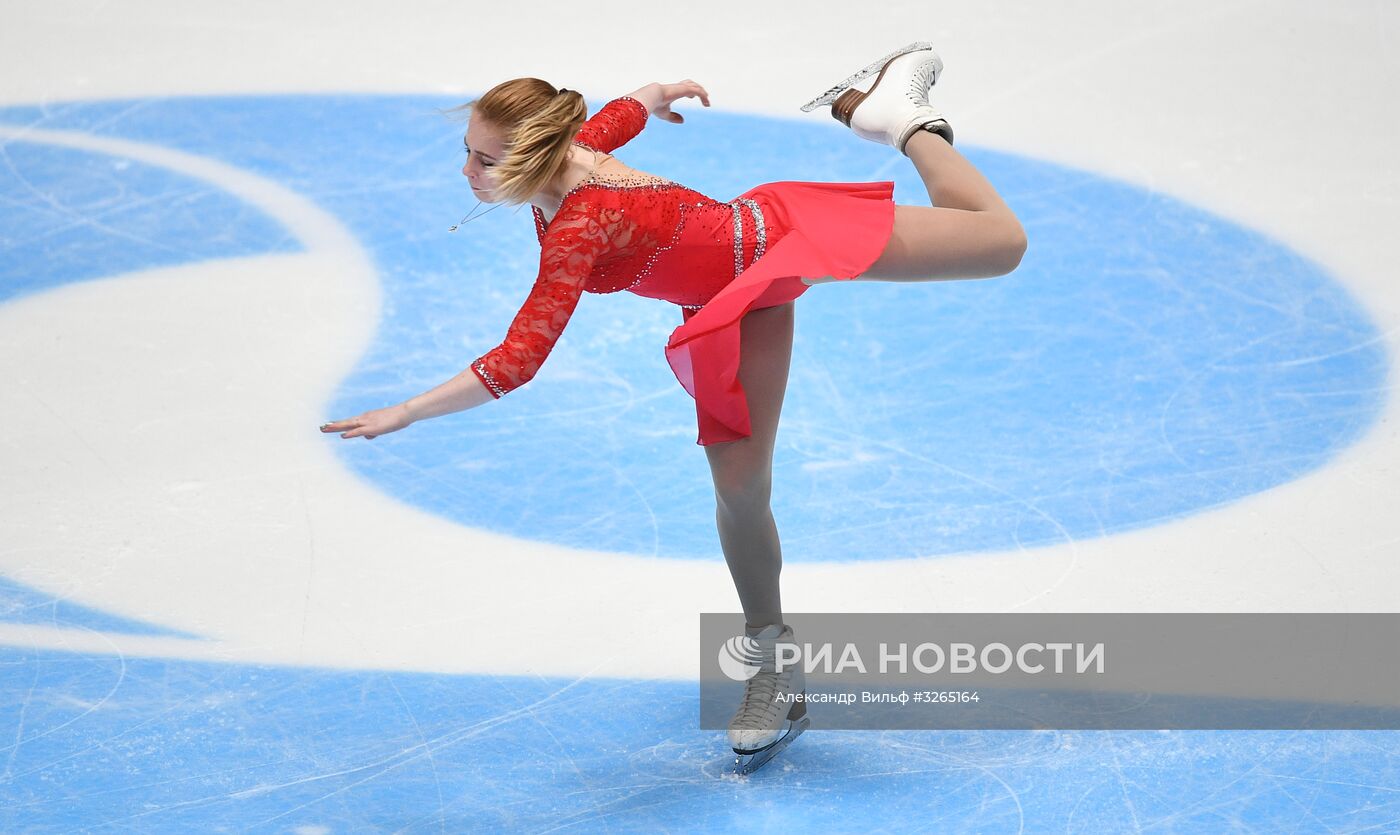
226,225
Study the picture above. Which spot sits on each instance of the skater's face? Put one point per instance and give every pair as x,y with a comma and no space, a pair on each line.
484,148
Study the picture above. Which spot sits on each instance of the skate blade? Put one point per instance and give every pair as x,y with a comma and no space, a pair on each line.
745,765
830,95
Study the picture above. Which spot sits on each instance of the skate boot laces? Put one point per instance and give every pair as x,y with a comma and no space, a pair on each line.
920,82
760,708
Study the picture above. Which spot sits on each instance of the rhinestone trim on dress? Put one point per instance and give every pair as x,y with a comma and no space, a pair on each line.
738,239
760,235
759,232
620,184
480,368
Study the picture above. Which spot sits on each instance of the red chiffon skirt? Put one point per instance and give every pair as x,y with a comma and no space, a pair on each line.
814,230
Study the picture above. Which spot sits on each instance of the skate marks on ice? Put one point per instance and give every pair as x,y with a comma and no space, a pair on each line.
256,747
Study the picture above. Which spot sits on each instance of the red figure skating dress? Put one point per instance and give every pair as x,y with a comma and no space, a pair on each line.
717,261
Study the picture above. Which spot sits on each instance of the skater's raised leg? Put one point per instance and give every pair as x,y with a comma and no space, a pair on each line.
968,232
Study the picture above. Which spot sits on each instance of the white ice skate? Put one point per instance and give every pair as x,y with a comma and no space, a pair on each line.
768,718
896,103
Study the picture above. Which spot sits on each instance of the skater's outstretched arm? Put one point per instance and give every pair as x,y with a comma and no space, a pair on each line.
621,119
574,243
658,97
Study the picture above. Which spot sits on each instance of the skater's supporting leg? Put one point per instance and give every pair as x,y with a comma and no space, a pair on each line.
749,537
969,232
743,469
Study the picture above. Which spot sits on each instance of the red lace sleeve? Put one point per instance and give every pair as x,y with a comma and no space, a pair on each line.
574,242
613,125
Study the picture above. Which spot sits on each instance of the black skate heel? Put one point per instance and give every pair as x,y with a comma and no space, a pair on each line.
830,95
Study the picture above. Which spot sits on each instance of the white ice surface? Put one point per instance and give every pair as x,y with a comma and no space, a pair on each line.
209,509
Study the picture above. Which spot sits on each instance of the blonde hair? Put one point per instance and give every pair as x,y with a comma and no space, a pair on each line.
539,124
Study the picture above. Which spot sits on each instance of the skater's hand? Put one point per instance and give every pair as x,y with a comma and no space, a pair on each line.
671,92
371,424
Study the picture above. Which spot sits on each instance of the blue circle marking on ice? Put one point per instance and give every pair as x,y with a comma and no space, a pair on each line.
73,215
1147,361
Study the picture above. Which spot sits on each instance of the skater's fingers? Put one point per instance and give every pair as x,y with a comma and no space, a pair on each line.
685,88
354,428
699,91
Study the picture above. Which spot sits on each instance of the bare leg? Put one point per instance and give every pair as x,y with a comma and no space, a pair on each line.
743,469
968,232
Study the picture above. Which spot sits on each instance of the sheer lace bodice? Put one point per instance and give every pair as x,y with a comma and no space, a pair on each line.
615,231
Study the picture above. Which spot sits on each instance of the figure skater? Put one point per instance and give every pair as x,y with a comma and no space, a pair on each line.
734,268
